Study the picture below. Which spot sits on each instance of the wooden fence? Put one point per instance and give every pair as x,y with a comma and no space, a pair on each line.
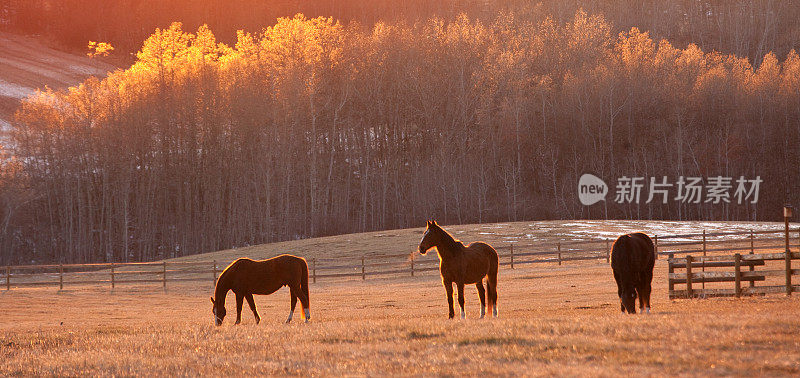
752,257
375,265
112,274
164,272
749,274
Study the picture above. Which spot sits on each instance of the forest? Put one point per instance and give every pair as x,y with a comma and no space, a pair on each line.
745,28
317,126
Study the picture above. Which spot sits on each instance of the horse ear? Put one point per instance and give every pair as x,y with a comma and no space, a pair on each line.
212,300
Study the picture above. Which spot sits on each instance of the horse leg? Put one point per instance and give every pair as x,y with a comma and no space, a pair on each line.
294,304
297,293
482,295
239,302
448,287
644,294
619,291
305,298
304,302
644,299
460,286
252,304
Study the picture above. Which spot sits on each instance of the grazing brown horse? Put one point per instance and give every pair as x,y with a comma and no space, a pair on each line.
632,260
463,265
246,277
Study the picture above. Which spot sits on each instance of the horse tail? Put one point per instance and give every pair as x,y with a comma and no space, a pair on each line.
491,281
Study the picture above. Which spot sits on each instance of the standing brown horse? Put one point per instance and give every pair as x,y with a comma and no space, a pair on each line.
463,265
246,277
632,260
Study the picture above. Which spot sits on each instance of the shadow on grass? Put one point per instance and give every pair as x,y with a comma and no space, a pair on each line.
498,341
593,307
336,340
417,335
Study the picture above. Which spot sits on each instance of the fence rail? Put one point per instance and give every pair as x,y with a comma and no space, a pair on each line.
511,256
738,261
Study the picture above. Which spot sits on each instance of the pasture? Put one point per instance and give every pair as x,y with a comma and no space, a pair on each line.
554,320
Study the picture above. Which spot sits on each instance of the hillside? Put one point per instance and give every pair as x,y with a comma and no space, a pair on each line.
26,65
537,233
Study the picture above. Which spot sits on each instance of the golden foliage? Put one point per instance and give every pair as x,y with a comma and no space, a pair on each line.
99,49
315,110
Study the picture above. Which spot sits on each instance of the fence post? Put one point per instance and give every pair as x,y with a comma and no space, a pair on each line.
112,275
655,242
512,256
61,276
704,262
8,278
363,270
559,253
752,267
689,292
164,272
788,254
671,269
314,266
412,264
215,272
738,274
608,252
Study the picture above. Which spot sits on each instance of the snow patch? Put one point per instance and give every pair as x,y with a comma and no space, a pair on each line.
14,90
498,225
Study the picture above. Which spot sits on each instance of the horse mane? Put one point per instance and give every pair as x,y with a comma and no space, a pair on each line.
222,286
451,243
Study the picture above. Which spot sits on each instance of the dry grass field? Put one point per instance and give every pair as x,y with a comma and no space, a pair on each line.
554,320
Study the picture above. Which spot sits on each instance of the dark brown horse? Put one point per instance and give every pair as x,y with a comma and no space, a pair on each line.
246,277
632,260
463,265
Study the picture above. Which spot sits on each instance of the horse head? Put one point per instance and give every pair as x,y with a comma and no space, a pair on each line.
218,311
627,300
430,238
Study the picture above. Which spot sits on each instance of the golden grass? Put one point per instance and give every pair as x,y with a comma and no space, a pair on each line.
555,320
